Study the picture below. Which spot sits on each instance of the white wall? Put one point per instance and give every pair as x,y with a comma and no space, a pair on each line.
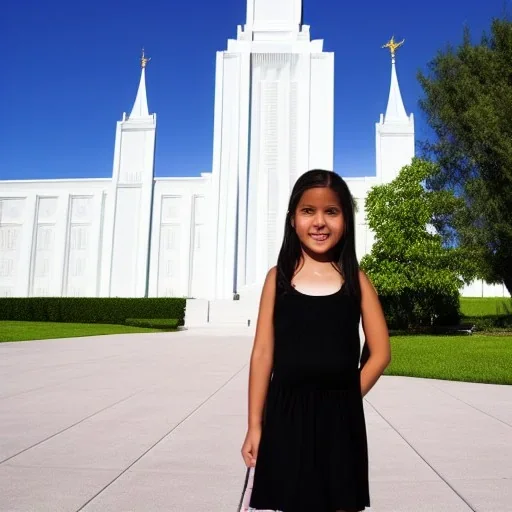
50,237
394,148
359,187
182,238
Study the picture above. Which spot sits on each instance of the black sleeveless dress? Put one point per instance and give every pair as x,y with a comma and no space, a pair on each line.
313,452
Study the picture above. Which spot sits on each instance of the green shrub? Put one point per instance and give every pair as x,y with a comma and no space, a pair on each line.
417,275
90,310
153,323
490,322
412,309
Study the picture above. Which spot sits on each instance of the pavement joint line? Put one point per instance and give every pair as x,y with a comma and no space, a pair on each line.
70,426
4,397
472,406
183,420
114,356
70,363
421,456
38,368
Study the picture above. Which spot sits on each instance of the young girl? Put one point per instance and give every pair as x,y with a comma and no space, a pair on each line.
306,437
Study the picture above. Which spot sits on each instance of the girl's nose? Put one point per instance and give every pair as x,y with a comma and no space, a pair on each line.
319,220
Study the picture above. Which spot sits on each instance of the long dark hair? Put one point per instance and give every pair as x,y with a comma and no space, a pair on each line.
344,254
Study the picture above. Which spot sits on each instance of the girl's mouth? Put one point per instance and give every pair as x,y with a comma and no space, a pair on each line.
319,237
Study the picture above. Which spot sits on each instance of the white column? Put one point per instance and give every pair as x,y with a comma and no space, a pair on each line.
187,247
226,171
243,167
27,246
155,243
98,234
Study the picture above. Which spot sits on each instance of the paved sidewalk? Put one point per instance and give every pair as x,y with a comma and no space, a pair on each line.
155,422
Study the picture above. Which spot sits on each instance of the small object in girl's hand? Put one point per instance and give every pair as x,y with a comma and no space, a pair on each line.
246,494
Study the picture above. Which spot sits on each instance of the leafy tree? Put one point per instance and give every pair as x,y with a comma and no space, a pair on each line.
468,103
417,276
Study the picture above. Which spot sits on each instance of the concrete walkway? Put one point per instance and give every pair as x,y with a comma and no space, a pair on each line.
155,422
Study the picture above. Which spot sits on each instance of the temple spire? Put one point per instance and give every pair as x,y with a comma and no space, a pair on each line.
140,107
395,111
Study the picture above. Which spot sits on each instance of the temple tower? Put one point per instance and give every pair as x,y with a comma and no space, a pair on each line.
126,246
274,120
395,130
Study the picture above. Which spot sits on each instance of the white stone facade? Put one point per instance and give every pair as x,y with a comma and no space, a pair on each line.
274,104
208,237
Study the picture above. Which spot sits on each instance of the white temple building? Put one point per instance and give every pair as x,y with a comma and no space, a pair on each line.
212,236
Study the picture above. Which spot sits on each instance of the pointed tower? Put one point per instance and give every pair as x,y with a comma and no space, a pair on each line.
140,107
395,130
130,200
274,103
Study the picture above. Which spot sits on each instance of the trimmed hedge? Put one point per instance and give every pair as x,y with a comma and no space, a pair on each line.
153,323
414,310
90,310
490,322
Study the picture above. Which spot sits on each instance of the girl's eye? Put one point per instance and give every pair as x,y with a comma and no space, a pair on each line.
307,211
332,211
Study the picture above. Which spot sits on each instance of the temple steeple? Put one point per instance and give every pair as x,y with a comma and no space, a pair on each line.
395,111
128,239
140,107
395,130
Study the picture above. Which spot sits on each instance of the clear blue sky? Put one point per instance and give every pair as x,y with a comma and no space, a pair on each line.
71,68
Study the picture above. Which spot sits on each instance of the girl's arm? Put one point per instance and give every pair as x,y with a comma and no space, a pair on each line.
376,334
262,352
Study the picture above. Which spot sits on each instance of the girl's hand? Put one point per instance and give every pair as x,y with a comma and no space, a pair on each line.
251,445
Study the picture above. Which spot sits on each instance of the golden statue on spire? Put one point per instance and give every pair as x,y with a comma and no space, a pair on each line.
393,46
144,60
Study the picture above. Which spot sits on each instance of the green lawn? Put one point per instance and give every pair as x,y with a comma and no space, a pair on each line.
475,358
22,331
472,307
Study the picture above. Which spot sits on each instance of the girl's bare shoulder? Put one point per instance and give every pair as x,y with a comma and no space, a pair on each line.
269,286
366,284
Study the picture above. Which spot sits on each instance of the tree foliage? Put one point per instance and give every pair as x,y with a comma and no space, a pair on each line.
417,276
468,103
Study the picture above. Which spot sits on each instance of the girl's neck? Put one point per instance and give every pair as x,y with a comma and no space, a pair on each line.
316,277
314,259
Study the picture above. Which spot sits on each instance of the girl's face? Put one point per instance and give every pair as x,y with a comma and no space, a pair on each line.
318,220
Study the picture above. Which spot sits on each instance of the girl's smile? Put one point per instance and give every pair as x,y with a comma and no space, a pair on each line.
319,237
